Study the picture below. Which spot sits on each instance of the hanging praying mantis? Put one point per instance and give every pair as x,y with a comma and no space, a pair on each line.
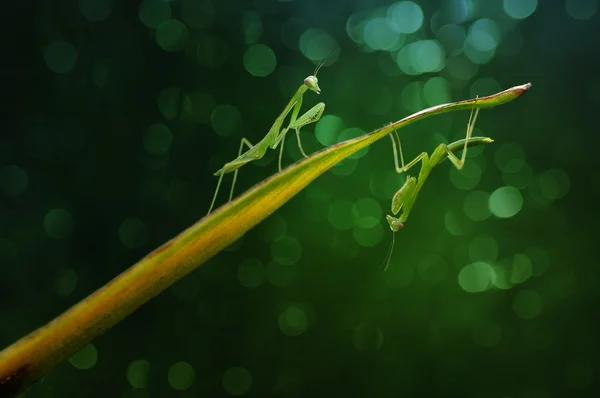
406,196
275,135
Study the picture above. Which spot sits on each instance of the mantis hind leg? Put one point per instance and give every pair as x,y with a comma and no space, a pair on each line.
459,163
212,204
235,173
404,167
300,143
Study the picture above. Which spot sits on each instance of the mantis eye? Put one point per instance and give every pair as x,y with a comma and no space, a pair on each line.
312,83
397,226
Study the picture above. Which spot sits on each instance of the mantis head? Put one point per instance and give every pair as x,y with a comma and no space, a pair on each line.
395,224
313,84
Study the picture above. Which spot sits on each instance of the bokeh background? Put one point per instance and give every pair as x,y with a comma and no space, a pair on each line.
118,114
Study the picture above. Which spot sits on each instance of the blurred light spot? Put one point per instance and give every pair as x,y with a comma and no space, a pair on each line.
328,128
461,68
197,14
406,16
488,334
540,260
476,277
436,91
259,60
554,184
286,251
483,248
579,374
95,10
252,26
502,280
376,99
452,38
429,56
60,56
520,179
293,321
345,167
510,157
138,373
581,9
168,102
459,10
456,223
280,275
317,44
484,35
368,236
181,376
199,105
65,282
405,59
133,233
225,119
412,97
86,358
367,338
340,214
236,380
379,34
366,212
58,223
13,180
521,268
172,34
476,207
432,268
212,51
153,12
506,202
467,178
485,86
158,139
384,183
527,304
350,133
273,228
355,26
478,56
250,273
519,9
291,30
318,194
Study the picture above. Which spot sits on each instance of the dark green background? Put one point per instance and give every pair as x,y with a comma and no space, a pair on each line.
88,187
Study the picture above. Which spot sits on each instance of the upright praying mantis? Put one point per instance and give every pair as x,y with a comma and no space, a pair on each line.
406,196
275,135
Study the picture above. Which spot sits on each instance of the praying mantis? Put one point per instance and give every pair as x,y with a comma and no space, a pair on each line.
275,135
405,197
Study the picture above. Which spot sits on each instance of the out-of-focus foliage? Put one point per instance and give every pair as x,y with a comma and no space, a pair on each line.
122,111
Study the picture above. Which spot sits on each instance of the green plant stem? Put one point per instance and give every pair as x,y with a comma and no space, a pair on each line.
36,354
